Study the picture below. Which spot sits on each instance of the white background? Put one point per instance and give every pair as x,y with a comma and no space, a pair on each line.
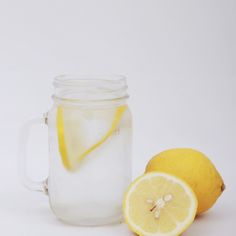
180,60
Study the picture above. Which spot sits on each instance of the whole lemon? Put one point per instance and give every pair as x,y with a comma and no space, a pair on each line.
195,169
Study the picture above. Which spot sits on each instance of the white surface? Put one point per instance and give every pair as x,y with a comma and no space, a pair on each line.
180,59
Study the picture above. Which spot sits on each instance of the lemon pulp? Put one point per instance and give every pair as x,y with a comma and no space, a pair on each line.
71,129
159,204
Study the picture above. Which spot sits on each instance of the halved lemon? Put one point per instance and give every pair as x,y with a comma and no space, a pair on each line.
158,204
80,131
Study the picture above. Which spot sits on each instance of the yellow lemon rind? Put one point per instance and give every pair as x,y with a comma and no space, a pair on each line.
62,142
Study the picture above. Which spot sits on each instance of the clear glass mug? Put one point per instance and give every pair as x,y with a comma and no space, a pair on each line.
90,138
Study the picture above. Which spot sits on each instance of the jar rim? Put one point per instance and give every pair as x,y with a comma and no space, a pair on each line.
90,88
76,80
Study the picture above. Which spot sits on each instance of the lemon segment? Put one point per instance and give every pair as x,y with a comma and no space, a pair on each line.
158,204
115,123
73,127
61,138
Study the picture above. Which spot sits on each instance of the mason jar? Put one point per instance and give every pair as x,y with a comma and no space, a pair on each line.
90,140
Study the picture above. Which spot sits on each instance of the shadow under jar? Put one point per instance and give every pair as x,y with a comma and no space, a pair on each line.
90,139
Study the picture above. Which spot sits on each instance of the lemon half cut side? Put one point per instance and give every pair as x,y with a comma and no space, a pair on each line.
71,133
158,204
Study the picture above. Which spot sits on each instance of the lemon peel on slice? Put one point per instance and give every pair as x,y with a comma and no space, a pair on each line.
62,140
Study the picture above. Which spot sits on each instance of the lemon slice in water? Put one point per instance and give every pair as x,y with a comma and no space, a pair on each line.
159,204
80,132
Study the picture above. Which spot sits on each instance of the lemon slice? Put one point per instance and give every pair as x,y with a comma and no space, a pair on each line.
159,204
80,132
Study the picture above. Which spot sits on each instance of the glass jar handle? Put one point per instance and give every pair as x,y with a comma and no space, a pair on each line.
40,186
